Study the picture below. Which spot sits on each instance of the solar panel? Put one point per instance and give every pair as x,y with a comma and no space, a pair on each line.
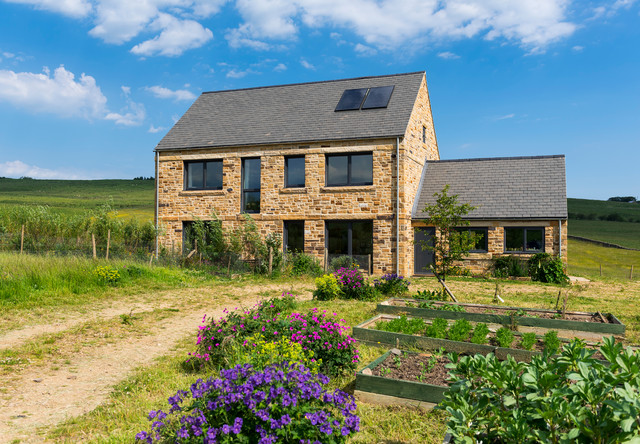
351,99
378,97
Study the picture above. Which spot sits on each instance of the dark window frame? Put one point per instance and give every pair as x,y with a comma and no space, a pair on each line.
349,157
349,233
485,230
250,190
286,171
285,234
204,174
524,240
424,134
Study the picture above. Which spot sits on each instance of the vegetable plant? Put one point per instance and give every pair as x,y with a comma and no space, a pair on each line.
551,341
403,325
480,334
505,337
528,340
460,330
437,329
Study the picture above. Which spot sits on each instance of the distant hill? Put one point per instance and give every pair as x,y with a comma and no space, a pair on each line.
129,197
614,222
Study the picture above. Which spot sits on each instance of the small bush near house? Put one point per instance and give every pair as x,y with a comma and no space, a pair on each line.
285,402
343,262
302,263
327,288
545,268
509,266
572,397
392,285
353,284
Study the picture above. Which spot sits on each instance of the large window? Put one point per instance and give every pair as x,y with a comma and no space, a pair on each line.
349,169
481,245
251,185
203,175
293,238
353,239
294,172
523,240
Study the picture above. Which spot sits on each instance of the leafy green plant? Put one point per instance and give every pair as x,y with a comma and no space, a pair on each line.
431,295
551,341
343,262
444,307
528,340
545,268
569,398
403,325
107,274
302,263
480,333
391,285
327,288
504,337
509,266
437,329
460,330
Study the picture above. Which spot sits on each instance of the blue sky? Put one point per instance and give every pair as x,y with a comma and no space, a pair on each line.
89,87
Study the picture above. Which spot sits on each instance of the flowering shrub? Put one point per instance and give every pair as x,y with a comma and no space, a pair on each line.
391,284
353,284
107,274
282,403
314,331
261,353
327,288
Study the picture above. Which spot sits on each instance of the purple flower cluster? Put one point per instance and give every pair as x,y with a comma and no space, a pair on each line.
352,283
280,403
392,284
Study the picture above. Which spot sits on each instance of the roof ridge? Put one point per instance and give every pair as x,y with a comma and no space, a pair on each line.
476,159
313,83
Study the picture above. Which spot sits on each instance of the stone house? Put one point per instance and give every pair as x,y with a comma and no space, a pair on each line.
335,167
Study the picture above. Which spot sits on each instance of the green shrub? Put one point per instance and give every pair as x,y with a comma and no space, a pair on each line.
437,329
343,262
302,263
403,325
551,341
545,268
480,334
505,337
431,295
460,330
570,398
353,285
327,288
509,266
392,285
528,340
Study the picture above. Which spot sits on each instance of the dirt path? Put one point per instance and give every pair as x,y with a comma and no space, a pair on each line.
38,397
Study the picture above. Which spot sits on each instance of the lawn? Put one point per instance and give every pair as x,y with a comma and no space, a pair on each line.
626,234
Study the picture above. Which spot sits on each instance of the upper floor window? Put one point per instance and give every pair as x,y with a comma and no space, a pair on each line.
523,240
349,169
294,172
251,185
203,175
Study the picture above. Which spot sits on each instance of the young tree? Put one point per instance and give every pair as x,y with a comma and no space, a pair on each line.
449,243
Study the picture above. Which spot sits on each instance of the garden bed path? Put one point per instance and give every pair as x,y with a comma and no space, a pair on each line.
45,396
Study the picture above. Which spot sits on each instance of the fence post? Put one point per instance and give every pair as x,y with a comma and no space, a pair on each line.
600,270
326,259
108,243
22,239
93,242
369,267
631,273
270,259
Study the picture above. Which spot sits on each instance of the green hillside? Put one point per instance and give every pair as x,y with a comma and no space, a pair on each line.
585,220
596,209
132,198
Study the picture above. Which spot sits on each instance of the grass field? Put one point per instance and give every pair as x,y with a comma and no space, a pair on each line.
628,211
626,234
585,259
132,198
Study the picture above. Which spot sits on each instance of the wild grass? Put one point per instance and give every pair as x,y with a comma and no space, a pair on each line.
585,259
626,234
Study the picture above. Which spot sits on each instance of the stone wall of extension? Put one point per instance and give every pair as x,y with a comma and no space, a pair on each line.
481,263
314,204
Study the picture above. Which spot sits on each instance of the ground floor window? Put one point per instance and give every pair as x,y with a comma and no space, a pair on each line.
293,238
349,238
523,240
482,244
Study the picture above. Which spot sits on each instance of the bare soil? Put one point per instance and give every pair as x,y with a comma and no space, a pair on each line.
422,367
33,397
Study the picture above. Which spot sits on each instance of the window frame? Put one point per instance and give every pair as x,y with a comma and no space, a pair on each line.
249,190
286,171
349,175
204,174
424,134
349,234
524,240
285,235
485,230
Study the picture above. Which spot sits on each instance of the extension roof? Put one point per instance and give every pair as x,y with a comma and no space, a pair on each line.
500,188
298,113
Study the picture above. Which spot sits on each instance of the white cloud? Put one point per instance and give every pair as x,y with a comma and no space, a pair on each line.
235,74
153,129
71,8
578,48
280,67
18,168
447,55
166,93
306,64
61,94
506,116
133,114
239,38
176,37
364,50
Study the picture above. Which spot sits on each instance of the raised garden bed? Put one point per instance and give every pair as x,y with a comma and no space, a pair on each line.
403,378
575,324
366,332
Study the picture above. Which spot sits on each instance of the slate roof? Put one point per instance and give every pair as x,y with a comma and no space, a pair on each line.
295,113
501,188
